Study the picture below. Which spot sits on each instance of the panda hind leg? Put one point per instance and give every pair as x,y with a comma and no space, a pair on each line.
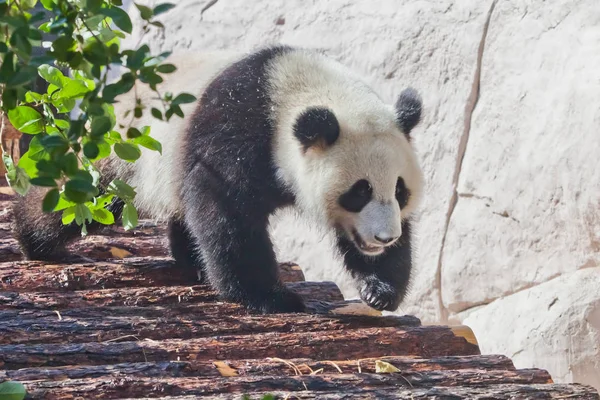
43,236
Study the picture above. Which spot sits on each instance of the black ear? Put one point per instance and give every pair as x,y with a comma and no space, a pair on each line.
408,110
317,126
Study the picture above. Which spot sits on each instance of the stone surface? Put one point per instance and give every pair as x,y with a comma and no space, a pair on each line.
554,325
530,184
528,205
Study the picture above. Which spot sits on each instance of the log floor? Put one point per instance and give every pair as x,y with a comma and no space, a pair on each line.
129,325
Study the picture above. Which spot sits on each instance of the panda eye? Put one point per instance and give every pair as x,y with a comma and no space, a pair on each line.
357,196
402,193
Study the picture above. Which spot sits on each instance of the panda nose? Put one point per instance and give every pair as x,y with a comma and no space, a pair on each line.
385,239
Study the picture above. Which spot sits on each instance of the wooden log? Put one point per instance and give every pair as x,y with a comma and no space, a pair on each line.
167,295
430,341
52,329
27,276
112,388
254,367
492,392
102,247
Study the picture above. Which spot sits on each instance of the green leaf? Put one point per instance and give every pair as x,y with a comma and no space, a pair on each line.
50,200
68,163
82,214
156,113
73,89
129,216
145,12
76,129
48,4
95,52
17,178
48,168
55,144
103,151
26,119
166,68
68,215
33,97
7,68
9,98
161,8
100,125
28,165
183,98
93,5
24,75
119,17
80,191
103,216
51,75
135,60
91,150
102,201
149,143
43,181
121,189
11,390
63,203
133,133
127,151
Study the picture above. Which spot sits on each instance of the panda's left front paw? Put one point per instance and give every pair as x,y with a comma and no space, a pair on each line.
379,295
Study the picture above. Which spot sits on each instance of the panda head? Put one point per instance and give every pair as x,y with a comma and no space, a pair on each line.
360,170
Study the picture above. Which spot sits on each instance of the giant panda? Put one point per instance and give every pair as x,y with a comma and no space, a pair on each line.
280,126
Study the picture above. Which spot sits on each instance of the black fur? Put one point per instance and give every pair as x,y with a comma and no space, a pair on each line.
357,197
43,236
402,193
184,250
317,124
230,189
384,279
408,110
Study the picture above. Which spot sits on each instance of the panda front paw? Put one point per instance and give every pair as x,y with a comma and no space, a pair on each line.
280,300
379,295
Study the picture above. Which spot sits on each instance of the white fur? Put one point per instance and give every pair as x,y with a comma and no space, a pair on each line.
370,146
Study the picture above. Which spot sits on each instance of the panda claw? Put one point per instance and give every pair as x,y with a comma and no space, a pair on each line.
379,295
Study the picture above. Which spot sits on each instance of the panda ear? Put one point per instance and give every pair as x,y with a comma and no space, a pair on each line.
408,110
316,127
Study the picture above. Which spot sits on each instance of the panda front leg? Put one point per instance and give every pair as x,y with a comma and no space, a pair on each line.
383,280
184,250
237,251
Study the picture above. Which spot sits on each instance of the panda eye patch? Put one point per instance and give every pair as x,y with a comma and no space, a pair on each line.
402,193
357,196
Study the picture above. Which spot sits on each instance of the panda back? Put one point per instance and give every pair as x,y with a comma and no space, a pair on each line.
155,177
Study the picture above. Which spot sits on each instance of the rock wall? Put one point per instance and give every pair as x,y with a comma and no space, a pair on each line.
508,238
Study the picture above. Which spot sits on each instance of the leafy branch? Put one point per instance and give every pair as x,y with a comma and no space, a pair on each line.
73,122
